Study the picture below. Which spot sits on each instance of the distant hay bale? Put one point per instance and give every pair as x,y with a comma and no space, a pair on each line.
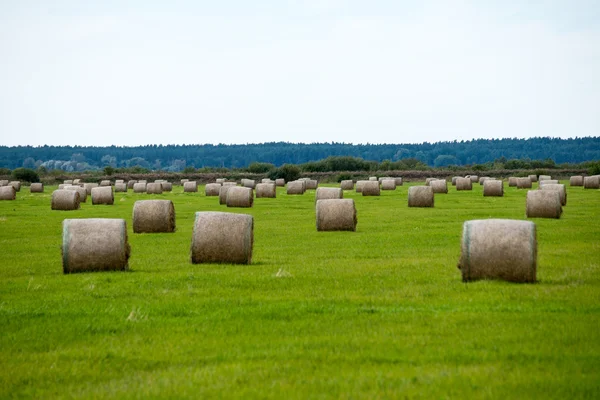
139,187
266,190
296,187
512,181
89,186
223,194
311,184
238,196
439,186
77,181
543,204
36,188
454,178
94,244
548,182
82,192
65,200
371,188
152,216
3,182
166,186
103,195
398,181
474,178
190,186
221,237
498,249
212,189
120,187
560,188
130,183
534,178
388,184
327,193
154,188
143,181
464,184
591,182
336,214
266,180
68,181
119,181
183,181
280,182
420,196
105,183
482,179
544,178
492,187
523,183
359,185
229,184
16,185
381,178
429,180
347,184
8,193
373,178
576,180
62,186
220,180
248,183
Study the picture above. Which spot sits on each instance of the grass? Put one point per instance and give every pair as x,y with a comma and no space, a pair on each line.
377,313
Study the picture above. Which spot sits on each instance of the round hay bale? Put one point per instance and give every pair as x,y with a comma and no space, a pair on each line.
154,188
464,184
183,181
591,182
370,188
266,190
336,215
544,178
560,188
473,178
548,182
212,189
248,183
325,193
63,185
16,185
89,186
498,249
381,178
347,184
439,186
543,204
166,186
82,192
77,181
523,183
103,195
398,181
454,178
95,244
512,181
36,188
373,178
139,187
151,216
3,182
429,180
221,237
119,181
534,178
190,186
576,180
280,182
8,193
492,187
482,179
238,196
144,181
65,200
220,180
223,194
266,180
105,182
420,196
388,184
229,184
68,181
311,184
296,187
359,185
131,183
120,187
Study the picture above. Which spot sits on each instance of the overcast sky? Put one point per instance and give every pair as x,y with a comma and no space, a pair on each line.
117,72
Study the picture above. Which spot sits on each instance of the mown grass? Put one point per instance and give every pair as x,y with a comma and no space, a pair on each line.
377,313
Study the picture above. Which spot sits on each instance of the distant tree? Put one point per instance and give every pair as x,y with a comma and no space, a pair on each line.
29,162
109,170
289,172
189,170
444,160
4,171
260,167
25,174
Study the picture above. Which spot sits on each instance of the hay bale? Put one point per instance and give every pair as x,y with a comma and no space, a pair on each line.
576,180
439,186
16,185
420,196
591,182
223,194
347,184
131,183
311,184
36,188
373,178
454,178
144,181
82,192
183,181
280,182
370,188
105,182
95,244
221,237
8,193
534,178
238,196
498,249
220,180
89,186
62,186
464,184
248,183
120,187
65,200
266,190
212,189
3,182
166,186
229,184
154,188
543,204
336,214
119,181
139,187
68,181
77,181
482,179
190,186
512,181
492,187
359,185
474,178
266,180
103,195
398,181
560,188
548,182
523,183
296,187
544,178
429,180
151,216
326,193
388,184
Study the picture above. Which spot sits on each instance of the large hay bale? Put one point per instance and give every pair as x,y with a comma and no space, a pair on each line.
65,200
548,182
16,185
388,184
103,195
544,178
223,193
89,186
464,184
429,180
336,214
370,188
523,183
36,187
560,188
248,183
130,184
296,187
3,182
105,182
139,187
221,237
82,192
534,178
347,184
474,178
190,186
512,181
439,186
212,189
8,193
398,181
95,244
151,216
498,249
492,187
543,204
373,178
311,184
238,196
154,188
420,196
576,180
325,193
166,186
120,187
591,182
280,182
266,190
359,185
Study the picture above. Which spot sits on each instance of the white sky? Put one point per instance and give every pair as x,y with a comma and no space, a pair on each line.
119,72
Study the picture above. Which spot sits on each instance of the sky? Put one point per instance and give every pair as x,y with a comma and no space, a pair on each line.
136,72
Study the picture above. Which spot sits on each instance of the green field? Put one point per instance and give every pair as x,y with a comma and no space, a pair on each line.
377,313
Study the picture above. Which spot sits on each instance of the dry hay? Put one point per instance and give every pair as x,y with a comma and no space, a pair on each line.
534,178
82,192
89,186
311,184
512,181
454,178
131,183
220,180
523,183
347,184
464,184
120,187
501,249
359,185
373,178
183,181
119,181
388,184
223,193
439,186
190,186
266,190
63,185
296,187
543,204
544,178
248,183
267,180
492,187
221,237
398,181
336,215
280,182
103,195
16,185
151,216
3,182
238,196
65,200
560,188
7,193
371,188
420,196
212,189
166,186
154,188
591,182
548,182
229,184
381,178
143,181
429,180
77,181
482,179
36,188
139,187
473,178
326,193
68,181
94,244
576,180
105,183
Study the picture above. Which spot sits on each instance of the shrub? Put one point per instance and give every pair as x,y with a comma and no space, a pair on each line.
25,174
344,177
289,172
260,168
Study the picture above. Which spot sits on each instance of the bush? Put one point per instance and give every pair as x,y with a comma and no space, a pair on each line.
260,168
25,174
289,172
343,177
594,168
4,171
